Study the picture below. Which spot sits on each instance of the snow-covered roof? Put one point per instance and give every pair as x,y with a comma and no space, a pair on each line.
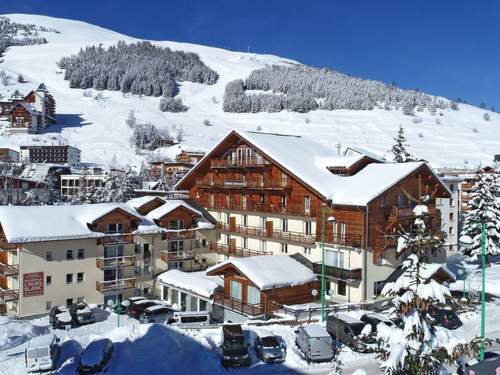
195,282
168,207
315,330
358,150
270,271
48,223
39,171
141,201
309,161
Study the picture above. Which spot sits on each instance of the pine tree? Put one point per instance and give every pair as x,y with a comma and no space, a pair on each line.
118,188
418,347
483,208
401,155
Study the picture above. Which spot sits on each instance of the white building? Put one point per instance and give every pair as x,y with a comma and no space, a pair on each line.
450,211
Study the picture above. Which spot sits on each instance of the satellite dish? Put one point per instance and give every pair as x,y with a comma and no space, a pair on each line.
126,303
314,292
110,302
330,292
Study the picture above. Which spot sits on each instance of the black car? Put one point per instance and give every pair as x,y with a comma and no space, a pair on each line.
60,317
81,314
234,348
270,348
95,357
374,319
136,308
445,317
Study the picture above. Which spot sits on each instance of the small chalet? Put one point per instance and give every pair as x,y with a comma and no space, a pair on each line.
256,286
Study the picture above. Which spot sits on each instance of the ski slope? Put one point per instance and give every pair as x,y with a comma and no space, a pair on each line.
98,127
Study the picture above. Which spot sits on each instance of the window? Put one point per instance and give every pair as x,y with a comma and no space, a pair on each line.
253,295
174,297
307,227
284,248
451,230
343,229
245,220
341,288
335,231
203,305
284,225
114,228
244,201
80,299
211,200
245,243
451,215
164,293
48,305
137,248
452,188
283,201
48,280
263,246
81,254
401,200
307,204
69,302
452,202
263,222
69,278
193,303
236,290
69,254
307,251
48,256
262,198
334,258
80,276
176,224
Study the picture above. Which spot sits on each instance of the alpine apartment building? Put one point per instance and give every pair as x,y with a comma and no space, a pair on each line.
271,192
58,255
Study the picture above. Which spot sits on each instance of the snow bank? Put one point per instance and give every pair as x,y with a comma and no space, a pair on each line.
195,282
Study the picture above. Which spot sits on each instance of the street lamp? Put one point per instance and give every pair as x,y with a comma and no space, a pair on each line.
331,219
462,272
483,285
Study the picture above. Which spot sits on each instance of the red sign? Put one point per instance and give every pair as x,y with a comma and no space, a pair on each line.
33,284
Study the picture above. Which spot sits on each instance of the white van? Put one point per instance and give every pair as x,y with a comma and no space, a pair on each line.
41,353
315,343
188,319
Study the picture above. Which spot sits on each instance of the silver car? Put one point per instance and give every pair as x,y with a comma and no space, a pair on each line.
270,348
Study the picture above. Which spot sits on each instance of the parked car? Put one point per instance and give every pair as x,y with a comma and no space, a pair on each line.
137,308
60,317
446,317
315,343
186,319
488,366
270,348
123,307
234,348
95,357
348,331
81,314
373,319
41,353
157,314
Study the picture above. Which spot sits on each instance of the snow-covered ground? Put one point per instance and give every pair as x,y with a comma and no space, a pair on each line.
98,127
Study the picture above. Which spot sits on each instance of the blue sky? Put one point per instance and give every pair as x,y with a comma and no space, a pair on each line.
444,47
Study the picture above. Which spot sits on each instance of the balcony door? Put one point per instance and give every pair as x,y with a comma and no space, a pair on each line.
113,274
334,258
113,251
253,295
236,290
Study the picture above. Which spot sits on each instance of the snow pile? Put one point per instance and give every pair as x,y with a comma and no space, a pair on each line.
270,271
16,332
195,282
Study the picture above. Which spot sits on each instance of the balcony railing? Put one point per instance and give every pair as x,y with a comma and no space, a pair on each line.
268,183
238,306
352,240
253,162
178,234
273,208
9,269
407,212
236,251
115,262
120,284
114,239
176,256
338,273
9,294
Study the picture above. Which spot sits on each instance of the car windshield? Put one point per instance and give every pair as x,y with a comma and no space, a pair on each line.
357,328
234,344
270,342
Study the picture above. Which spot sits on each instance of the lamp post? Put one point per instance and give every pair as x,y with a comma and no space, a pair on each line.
331,219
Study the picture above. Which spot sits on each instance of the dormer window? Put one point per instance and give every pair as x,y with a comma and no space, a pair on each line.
176,224
114,228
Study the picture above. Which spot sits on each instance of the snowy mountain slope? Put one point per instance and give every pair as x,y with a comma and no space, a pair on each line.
98,127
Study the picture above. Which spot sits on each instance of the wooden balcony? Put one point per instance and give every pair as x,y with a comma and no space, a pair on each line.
352,240
238,306
9,269
253,162
176,256
277,209
120,284
397,213
177,234
264,184
338,273
9,294
115,239
115,262
236,251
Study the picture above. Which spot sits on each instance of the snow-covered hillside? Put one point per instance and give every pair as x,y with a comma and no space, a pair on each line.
98,127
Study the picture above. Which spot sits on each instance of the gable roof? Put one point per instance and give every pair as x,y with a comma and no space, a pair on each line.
308,161
269,271
195,282
168,207
139,202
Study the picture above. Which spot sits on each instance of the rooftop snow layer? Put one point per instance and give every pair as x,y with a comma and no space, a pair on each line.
45,223
196,282
141,201
271,271
168,207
